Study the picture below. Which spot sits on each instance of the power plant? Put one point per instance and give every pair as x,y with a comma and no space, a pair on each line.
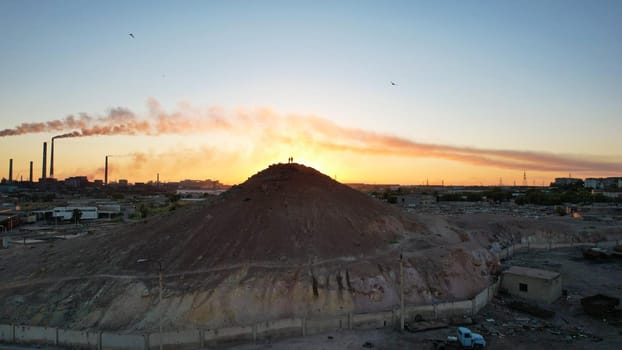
11,170
10,179
44,174
52,158
45,154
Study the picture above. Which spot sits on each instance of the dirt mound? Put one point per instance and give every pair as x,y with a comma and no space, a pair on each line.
287,212
288,242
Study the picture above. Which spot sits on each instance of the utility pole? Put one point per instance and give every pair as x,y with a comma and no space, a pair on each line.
401,294
160,303
142,260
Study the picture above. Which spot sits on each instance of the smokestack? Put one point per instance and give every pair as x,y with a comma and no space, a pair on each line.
52,159
31,171
11,170
45,155
106,172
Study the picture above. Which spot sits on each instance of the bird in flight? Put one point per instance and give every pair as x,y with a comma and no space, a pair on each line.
130,34
393,83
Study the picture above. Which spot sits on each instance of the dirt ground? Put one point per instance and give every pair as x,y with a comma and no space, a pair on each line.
502,327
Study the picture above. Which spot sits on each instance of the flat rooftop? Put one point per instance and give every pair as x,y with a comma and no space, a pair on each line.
531,272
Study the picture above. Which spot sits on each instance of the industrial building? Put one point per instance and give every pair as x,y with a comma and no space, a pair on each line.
604,183
66,213
566,181
532,284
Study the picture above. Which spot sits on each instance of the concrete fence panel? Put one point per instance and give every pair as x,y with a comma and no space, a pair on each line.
373,320
36,335
493,289
503,253
426,312
113,341
464,307
228,335
320,325
6,333
454,308
606,244
444,310
186,339
287,327
480,301
78,339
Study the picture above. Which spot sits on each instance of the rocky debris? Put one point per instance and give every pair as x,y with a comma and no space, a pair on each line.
522,325
422,326
510,324
461,321
532,309
599,305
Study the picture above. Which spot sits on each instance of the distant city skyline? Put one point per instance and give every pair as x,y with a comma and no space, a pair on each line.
401,92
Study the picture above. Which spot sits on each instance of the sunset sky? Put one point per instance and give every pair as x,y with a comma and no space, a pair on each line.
221,89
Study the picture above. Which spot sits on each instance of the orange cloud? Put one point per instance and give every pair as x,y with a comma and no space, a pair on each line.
267,130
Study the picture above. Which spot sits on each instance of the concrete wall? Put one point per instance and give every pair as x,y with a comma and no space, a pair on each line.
608,244
6,333
114,341
321,325
228,335
480,300
288,327
426,312
79,339
374,320
454,308
511,250
493,290
187,339
36,335
239,334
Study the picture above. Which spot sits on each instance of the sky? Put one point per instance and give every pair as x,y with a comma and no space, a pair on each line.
485,91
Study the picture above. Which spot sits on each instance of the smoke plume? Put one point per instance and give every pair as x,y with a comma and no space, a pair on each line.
263,126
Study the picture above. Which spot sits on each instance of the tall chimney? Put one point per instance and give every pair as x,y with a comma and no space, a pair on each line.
31,171
11,170
45,155
52,159
106,172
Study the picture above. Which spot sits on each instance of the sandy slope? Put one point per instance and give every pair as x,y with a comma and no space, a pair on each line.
288,242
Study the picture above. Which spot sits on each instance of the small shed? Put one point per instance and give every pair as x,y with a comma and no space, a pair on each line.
532,284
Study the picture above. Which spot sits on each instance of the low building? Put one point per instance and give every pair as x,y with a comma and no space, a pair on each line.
77,182
66,213
612,182
594,183
532,284
604,183
566,181
194,193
